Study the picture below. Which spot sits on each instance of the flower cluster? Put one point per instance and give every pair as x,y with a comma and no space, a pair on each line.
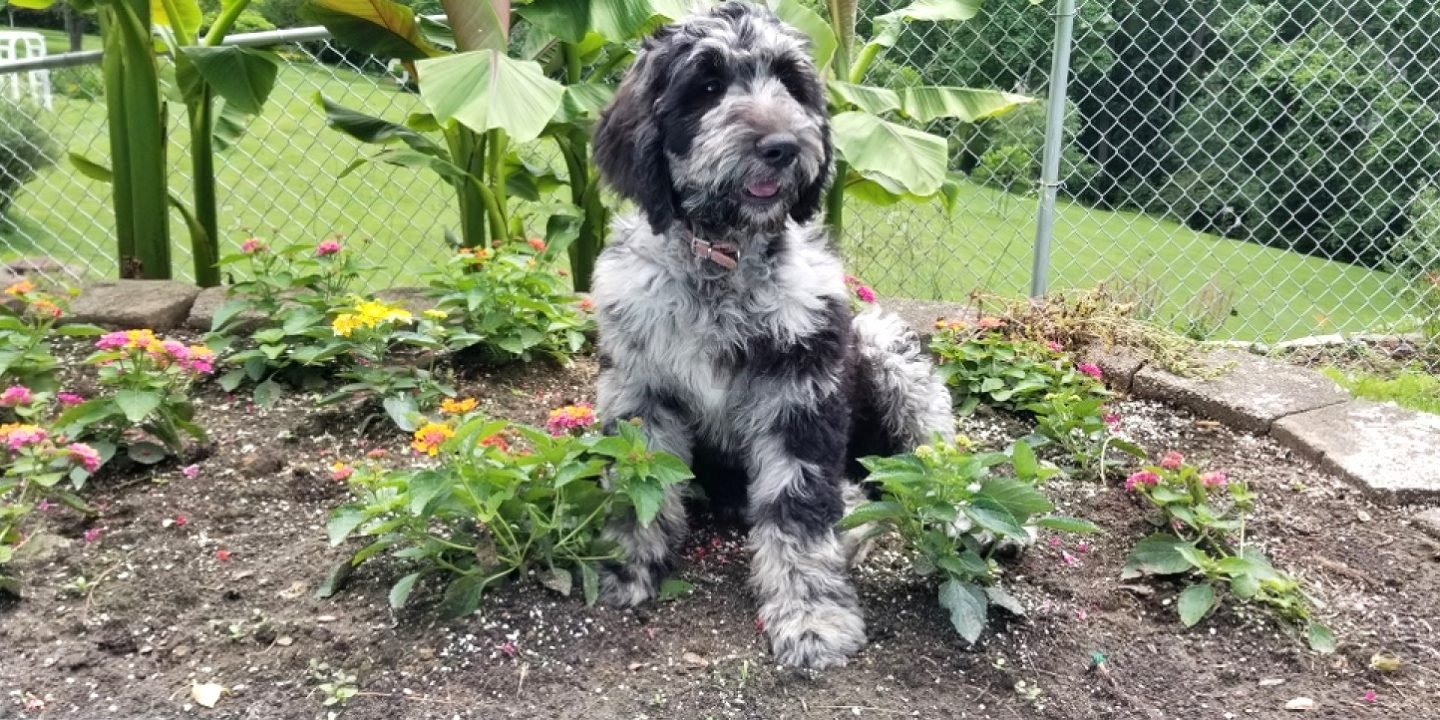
196,359
1179,478
451,406
253,245
16,395
430,436
861,290
18,436
368,314
327,248
571,417
37,304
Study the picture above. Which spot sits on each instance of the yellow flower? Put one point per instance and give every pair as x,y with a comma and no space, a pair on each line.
20,288
451,406
430,437
436,314
344,324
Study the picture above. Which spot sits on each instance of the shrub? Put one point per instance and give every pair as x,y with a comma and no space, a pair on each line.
952,512
503,501
1202,516
507,302
1008,167
25,150
28,317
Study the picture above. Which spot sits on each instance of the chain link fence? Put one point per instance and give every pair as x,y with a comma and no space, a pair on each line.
1235,169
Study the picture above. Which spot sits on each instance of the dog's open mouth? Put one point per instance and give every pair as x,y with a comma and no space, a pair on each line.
762,190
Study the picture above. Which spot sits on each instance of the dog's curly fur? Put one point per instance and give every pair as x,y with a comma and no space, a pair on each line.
756,374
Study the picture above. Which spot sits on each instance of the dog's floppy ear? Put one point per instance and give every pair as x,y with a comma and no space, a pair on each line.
812,196
629,149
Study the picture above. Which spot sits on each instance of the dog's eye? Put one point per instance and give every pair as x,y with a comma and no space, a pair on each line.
711,87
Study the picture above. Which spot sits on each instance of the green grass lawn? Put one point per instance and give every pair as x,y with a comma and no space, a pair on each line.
1413,389
280,182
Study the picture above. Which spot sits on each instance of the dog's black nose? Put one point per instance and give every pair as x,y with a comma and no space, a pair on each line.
779,149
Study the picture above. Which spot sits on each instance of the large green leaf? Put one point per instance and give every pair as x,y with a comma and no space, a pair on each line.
1195,602
966,104
967,605
571,20
1020,499
242,76
379,27
583,101
871,99
485,90
28,4
187,15
476,24
1156,555
888,26
901,159
822,37
371,129
137,404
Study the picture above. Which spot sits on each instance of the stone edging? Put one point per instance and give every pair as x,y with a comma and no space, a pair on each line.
1391,453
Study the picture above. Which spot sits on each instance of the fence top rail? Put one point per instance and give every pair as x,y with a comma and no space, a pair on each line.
91,57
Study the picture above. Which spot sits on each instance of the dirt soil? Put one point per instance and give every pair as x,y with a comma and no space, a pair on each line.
228,596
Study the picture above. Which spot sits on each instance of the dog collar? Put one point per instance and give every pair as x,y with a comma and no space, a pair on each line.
723,253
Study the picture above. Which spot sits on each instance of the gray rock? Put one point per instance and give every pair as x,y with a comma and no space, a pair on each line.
414,299
1388,451
1251,395
1119,364
208,302
921,315
156,304
1429,522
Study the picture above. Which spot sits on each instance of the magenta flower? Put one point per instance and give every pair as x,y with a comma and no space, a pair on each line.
44,505
865,294
92,535
1144,477
19,436
15,395
327,247
1091,369
113,341
68,398
571,417
1111,419
1054,347
1172,460
1370,696
88,457
509,649
1214,479
190,471
1054,541
1083,547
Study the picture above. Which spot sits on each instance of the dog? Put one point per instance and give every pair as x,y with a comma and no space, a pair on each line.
725,324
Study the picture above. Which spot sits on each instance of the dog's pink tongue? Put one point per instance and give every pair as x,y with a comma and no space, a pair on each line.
763,188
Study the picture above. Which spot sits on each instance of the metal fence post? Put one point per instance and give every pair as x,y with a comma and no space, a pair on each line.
1054,135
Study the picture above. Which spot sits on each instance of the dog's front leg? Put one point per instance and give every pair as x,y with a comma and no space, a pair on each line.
798,564
647,551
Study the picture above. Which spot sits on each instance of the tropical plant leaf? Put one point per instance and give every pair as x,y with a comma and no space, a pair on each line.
888,26
485,90
967,604
924,104
371,129
902,159
475,25
822,37
380,27
871,99
187,15
242,76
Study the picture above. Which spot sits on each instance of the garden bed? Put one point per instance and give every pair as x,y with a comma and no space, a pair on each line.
227,596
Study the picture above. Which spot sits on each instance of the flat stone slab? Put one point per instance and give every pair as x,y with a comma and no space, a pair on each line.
1118,364
208,302
129,304
1250,396
1388,451
1429,522
921,315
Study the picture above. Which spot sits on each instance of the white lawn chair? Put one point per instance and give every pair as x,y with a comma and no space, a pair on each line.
22,45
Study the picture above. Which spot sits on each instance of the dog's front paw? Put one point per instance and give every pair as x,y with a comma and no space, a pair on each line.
625,586
813,636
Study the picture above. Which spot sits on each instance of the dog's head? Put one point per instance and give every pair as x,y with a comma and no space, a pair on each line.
719,123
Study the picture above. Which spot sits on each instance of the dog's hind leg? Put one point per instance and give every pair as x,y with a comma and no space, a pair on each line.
908,397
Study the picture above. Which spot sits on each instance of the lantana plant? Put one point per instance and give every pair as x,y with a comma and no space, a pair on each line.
35,460
1202,537
953,511
508,302
493,501
145,405
29,317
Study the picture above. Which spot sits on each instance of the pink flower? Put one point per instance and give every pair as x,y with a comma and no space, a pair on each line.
15,395
327,247
536,244
1068,559
865,294
92,535
509,649
1083,547
571,417
1111,419
19,436
1172,460
88,457
190,471
1214,479
180,521
252,245
1054,347
340,472
222,555
68,398
1370,696
176,349
989,323
1054,541
44,505
1144,477
1090,369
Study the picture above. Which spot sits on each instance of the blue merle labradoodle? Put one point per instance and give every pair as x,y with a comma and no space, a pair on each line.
725,323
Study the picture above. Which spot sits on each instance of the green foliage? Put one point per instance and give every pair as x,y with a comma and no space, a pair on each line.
507,303
35,460
25,150
1202,520
986,366
82,82
27,319
952,510
488,513
1011,168
1417,252
1413,388
144,405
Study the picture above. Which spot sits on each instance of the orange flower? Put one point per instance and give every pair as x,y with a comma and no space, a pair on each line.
20,288
451,406
430,437
537,244
496,441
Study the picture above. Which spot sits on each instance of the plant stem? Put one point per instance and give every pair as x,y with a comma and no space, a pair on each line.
835,203
205,247
862,63
228,15
498,144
